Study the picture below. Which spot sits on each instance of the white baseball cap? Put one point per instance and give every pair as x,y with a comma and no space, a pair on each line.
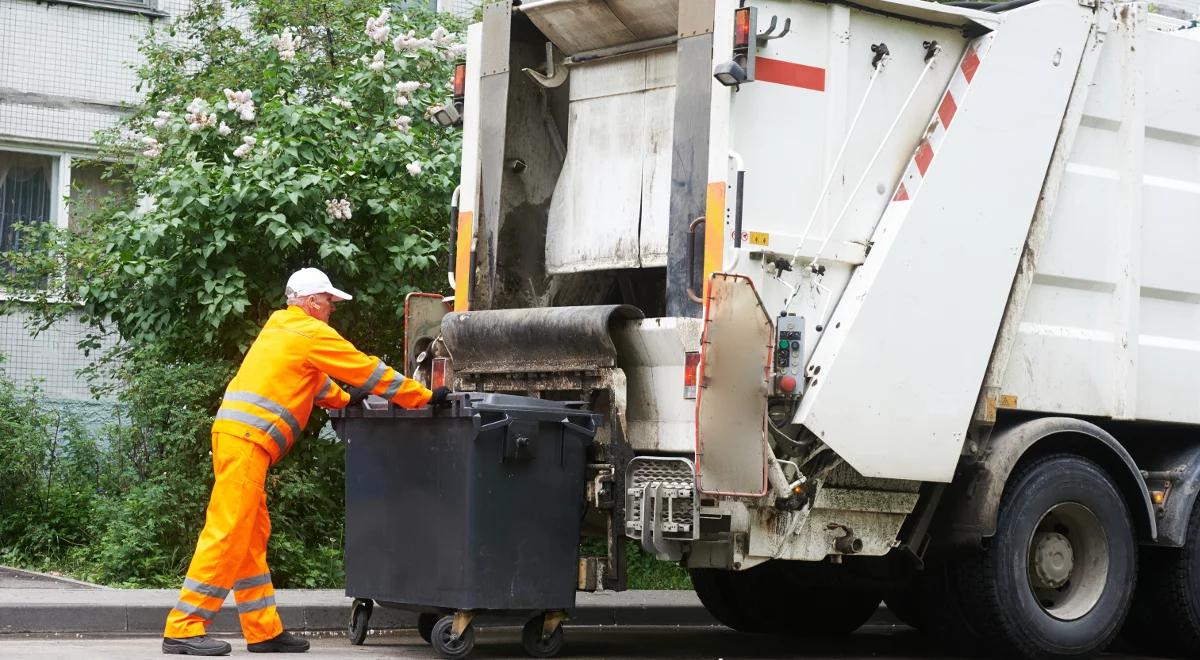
309,281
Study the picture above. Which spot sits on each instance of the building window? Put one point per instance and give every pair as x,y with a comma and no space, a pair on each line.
26,182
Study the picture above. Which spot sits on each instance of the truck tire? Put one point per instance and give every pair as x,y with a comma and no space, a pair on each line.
1166,608
778,598
1057,578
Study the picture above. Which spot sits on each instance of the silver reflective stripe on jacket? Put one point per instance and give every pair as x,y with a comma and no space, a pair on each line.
325,389
258,423
256,581
255,605
267,405
394,386
376,376
205,588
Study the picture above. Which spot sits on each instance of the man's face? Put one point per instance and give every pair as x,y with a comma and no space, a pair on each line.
321,306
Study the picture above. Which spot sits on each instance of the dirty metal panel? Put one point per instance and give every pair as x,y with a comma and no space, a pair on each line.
612,199
581,25
545,340
423,314
731,409
656,176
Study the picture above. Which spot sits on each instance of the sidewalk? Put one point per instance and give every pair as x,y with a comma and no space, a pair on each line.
39,608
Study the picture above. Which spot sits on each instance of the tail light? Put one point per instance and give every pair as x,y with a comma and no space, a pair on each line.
691,373
437,375
741,68
742,27
460,82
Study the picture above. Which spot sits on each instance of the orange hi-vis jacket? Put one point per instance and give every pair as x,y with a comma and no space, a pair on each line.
287,370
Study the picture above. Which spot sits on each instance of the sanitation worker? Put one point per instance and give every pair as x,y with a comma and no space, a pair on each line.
289,368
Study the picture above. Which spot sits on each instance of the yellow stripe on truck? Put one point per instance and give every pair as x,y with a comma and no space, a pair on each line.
714,231
462,263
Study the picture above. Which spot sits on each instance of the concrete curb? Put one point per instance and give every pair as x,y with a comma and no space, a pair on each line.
127,611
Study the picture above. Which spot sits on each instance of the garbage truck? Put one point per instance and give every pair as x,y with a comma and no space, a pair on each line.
878,300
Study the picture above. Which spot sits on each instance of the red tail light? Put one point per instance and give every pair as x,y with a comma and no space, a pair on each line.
460,82
741,27
691,373
437,375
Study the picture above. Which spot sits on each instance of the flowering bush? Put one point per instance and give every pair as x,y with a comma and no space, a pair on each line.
301,141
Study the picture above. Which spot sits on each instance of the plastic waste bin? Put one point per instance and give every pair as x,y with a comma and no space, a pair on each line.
474,508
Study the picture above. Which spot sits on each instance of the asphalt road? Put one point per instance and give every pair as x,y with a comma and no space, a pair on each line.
876,642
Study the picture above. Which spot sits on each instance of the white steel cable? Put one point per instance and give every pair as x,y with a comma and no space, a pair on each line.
838,160
867,171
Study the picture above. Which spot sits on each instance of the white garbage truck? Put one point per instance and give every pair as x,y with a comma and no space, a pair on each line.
882,300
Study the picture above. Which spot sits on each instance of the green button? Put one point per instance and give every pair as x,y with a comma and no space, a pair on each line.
783,343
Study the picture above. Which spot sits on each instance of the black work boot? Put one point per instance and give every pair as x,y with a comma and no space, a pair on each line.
284,642
199,645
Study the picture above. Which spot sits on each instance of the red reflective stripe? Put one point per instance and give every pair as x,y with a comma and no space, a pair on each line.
970,64
924,157
902,194
790,73
947,109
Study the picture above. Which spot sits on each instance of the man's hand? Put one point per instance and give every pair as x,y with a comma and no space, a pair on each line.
439,397
358,395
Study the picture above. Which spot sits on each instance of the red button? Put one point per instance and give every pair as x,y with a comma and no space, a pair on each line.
787,383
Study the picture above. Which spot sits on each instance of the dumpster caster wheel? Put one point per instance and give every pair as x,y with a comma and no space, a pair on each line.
360,614
442,634
425,623
536,644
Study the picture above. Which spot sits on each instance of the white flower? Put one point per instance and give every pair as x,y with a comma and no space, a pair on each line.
377,62
224,129
414,168
441,36
287,44
153,148
456,52
241,102
338,209
402,123
163,118
403,42
407,87
249,140
401,100
242,151
340,102
146,204
377,27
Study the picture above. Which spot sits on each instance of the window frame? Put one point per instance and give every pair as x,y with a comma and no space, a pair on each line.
149,9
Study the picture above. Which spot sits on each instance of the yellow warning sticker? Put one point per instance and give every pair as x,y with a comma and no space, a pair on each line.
759,238
1008,401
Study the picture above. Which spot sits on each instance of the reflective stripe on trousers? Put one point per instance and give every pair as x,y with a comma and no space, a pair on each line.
232,551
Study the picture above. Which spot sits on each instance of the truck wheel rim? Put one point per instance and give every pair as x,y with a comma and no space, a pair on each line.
1068,561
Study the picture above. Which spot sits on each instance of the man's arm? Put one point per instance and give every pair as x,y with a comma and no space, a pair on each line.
332,354
331,396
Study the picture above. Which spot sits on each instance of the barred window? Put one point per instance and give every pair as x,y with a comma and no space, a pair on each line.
26,181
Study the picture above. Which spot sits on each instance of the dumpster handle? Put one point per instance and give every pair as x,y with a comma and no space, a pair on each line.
589,432
498,424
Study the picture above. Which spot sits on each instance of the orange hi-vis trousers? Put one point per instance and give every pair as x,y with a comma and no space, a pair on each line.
232,551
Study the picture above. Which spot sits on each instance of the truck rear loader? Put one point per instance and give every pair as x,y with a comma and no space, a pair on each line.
879,300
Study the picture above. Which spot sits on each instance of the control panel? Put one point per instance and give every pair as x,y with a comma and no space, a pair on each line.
789,355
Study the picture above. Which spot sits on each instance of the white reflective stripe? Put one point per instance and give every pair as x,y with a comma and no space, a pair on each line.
376,376
188,608
268,405
326,389
204,588
258,423
255,605
394,386
256,581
